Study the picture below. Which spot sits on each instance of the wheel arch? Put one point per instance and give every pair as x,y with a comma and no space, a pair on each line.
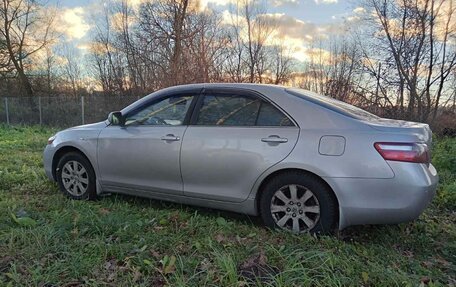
278,172
61,152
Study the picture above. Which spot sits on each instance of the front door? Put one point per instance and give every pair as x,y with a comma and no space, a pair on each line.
234,137
144,154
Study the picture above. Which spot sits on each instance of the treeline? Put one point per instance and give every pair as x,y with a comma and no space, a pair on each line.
396,58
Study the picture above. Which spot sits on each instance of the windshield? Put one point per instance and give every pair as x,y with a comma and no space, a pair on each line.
332,104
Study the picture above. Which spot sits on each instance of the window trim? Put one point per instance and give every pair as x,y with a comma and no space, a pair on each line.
195,93
237,92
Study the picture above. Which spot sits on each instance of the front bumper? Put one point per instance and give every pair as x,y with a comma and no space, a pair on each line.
48,155
385,201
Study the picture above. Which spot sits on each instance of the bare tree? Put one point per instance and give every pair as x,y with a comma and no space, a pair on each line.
207,50
167,25
108,62
24,32
282,64
250,35
259,30
72,70
334,68
415,37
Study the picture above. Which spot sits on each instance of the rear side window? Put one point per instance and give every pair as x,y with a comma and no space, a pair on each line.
271,116
239,110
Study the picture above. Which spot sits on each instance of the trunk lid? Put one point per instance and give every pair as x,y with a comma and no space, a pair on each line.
422,130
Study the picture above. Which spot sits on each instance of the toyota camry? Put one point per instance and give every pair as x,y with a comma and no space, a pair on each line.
302,161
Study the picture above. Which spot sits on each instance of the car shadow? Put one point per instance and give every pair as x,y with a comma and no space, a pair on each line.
205,211
352,234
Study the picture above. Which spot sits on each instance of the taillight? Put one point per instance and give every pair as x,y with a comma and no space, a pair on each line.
408,152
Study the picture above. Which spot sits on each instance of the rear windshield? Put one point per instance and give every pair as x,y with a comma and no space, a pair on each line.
332,104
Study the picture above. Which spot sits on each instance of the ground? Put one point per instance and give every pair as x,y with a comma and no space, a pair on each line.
48,240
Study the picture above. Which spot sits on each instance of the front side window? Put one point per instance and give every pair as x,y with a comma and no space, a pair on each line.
167,111
239,110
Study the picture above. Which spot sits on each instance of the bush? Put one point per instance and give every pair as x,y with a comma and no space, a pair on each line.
444,160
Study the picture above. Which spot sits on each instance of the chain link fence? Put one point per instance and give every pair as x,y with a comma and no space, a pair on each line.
60,111
67,111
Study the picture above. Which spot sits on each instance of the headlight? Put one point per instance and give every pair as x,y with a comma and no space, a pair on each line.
51,139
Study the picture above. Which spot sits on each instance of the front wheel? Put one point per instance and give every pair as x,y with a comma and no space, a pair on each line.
76,177
299,203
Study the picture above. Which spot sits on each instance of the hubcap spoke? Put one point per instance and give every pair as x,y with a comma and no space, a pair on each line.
307,195
296,225
293,192
283,220
81,188
81,171
280,195
309,222
278,208
84,180
68,168
75,189
312,209
67,184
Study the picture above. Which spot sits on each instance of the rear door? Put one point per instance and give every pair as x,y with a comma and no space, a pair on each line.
233,138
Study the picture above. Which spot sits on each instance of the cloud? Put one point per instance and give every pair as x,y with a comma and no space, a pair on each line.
318,55
278,3
204,4
136,3
325,1
290,27
298,35
353,18
359,10
118,20
72,23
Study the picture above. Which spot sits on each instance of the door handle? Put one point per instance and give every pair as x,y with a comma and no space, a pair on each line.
170,138
274,139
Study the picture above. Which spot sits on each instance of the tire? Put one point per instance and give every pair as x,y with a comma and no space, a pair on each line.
276,213
80,185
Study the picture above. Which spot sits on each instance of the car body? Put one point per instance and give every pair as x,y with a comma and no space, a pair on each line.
203,155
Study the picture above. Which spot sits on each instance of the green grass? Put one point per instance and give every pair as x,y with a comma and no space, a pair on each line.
48,240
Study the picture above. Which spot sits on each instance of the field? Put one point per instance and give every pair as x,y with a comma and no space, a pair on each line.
48,240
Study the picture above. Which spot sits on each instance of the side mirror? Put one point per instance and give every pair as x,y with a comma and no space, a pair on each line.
116,119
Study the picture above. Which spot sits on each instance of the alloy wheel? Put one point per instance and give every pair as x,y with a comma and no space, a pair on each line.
75,178
295,208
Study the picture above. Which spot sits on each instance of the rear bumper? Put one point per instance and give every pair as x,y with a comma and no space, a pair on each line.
385,201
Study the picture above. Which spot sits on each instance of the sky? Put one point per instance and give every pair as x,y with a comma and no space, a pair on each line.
315,11
300,21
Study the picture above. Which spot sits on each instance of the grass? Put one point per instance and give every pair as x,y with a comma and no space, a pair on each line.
48,240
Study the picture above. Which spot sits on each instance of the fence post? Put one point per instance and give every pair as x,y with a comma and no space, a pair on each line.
39,109
7,111
82,109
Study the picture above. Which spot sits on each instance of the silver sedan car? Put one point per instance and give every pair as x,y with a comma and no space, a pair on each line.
302,161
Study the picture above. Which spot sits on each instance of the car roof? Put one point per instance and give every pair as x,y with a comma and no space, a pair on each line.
251,86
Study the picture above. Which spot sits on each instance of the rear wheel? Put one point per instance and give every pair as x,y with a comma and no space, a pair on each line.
299,203
76,177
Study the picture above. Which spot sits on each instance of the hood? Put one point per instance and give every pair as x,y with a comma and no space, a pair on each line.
98,125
